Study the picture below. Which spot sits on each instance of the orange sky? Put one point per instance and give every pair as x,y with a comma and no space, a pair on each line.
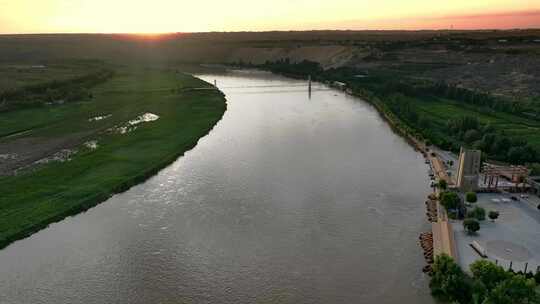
144,16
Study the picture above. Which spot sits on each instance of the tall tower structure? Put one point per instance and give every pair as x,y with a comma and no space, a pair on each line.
468,169
309,86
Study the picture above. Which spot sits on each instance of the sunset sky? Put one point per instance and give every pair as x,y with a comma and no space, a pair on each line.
137,16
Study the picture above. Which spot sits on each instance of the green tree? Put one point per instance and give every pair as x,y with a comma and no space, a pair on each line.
514,290
479,293
471,197
450,200
535,169
521,154
493,215
471,225
443,185
478,213
448,281
488,273
471,135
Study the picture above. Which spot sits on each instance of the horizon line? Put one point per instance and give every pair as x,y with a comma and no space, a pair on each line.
282,31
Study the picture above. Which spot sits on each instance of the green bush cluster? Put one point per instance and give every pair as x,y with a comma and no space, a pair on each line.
489,283
443,185
477,213
74,89
471,225
493,215
450,200
471,197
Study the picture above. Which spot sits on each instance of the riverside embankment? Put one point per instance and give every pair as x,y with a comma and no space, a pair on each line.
74,156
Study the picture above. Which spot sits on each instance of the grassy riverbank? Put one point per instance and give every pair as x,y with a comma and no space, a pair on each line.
45,192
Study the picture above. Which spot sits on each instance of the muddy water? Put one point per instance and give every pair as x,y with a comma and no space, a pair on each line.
287,200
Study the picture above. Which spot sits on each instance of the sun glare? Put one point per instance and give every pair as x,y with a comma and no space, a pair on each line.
166,16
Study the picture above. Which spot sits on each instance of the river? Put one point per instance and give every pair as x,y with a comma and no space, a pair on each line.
289,199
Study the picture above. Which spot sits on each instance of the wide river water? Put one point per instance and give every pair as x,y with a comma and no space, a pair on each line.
289,199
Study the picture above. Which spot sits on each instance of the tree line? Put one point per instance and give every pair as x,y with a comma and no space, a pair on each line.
464,130
55,91
488,283
400,98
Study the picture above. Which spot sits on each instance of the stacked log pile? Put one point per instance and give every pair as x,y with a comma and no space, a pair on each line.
431,207
426,242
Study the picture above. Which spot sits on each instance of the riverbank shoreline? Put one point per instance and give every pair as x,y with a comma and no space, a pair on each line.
429,241
197,114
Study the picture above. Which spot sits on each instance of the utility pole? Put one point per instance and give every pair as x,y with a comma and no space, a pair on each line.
309,86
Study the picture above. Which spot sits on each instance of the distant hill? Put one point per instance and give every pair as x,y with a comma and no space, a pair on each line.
500,62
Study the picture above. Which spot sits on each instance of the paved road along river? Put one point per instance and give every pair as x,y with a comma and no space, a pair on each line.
288,200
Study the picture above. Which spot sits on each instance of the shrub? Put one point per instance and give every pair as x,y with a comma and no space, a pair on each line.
478,213
443,185
471,225
471,197
453,215
450,200
493,215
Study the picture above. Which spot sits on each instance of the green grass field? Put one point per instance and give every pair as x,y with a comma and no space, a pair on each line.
441,110
17,75
32,200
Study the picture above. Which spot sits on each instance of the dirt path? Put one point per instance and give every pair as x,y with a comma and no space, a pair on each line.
24,152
